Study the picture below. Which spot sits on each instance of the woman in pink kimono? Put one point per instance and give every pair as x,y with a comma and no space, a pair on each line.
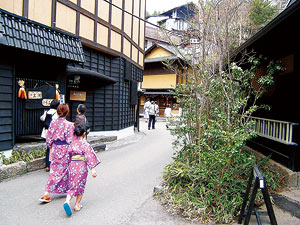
82,157
58,139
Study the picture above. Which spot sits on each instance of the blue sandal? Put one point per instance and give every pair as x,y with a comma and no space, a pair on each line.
67,209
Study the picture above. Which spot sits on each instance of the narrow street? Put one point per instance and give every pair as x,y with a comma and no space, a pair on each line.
122,193
119,195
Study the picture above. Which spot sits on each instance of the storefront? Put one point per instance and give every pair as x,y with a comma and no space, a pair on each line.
39,64
163,99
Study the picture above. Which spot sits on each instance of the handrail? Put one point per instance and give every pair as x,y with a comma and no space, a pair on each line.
276,130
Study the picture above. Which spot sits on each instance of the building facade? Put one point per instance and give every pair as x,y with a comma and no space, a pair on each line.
159,82
278,128
89,52
175,18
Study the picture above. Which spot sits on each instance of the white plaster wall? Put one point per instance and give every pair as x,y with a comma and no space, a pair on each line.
119,133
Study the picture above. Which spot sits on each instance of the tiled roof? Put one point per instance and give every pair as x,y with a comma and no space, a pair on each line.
160,36
19,32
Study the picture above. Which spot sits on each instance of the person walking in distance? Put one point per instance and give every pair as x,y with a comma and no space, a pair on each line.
168,115
58,139
81,118
49,116
146,110
153,110
82,157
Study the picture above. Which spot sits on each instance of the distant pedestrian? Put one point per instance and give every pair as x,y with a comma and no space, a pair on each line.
82,157
58,139
81,118
168,115
48,116
146,110
157,110
153,110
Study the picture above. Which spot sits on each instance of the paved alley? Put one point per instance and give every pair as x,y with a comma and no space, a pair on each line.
124,186
122,194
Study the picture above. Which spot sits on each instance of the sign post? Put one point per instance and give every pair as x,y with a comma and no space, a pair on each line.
259,183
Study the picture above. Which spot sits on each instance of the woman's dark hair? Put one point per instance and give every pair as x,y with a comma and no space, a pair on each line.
63,110
79,130
81,109
54,104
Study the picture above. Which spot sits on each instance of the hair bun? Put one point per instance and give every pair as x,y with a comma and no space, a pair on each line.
79,130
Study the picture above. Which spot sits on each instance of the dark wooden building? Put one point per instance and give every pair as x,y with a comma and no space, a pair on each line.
100,70
278,128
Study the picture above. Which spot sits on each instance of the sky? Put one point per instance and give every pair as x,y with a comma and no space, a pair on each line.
164,5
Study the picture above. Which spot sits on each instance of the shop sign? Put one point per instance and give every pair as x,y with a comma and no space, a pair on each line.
40,97
74,83
35,95
46,102
77,95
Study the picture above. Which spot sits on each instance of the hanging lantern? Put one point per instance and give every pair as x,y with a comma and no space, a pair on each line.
57,92
22,92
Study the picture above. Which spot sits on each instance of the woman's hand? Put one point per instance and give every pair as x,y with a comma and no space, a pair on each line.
94,173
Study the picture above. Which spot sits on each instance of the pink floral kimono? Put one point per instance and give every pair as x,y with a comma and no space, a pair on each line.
58,139
83,156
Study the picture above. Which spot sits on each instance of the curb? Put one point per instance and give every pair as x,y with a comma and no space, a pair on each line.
21,167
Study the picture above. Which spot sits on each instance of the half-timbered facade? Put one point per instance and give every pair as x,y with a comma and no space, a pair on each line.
86,51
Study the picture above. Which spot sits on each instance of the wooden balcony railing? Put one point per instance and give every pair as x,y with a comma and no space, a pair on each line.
276,130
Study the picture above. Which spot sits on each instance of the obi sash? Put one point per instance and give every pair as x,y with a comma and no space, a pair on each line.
78,158
59,142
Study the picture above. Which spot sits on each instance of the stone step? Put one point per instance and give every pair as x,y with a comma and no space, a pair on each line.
9,171
96,141
98,147
289,201
101,139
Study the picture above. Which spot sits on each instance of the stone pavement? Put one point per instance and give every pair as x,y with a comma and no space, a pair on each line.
149,212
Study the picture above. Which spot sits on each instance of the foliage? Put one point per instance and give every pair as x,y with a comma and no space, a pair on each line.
18,156
262,11
154,13
209,173
197,192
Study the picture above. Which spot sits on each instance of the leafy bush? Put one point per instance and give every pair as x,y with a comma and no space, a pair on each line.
18,156
209,191
210,171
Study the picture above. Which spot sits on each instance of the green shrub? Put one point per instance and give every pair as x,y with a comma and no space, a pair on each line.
210,171
18,156
210,192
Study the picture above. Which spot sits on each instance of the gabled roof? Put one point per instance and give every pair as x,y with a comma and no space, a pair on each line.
19,32
169,48
156,34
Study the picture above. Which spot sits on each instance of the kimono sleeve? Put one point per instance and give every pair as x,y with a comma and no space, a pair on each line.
91,158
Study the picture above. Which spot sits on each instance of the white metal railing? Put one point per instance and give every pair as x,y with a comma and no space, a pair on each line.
276,130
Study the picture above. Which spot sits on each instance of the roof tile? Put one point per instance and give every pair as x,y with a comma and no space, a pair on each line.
22,33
